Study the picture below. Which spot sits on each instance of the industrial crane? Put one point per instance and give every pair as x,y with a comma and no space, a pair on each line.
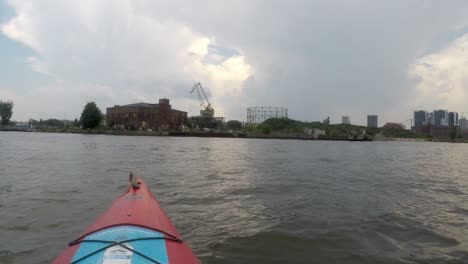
206,109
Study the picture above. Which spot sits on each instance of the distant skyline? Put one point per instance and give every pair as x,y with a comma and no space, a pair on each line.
316,58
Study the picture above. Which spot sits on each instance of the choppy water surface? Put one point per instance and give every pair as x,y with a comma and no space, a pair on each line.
243,201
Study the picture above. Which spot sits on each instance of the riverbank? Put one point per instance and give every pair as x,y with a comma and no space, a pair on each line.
290,136
76,130
224,134
15,129
220,134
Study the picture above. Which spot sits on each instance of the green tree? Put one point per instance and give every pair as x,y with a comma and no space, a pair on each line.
234,125
6,111
91,116
326,121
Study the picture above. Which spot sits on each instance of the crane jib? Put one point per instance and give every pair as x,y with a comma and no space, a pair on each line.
205,104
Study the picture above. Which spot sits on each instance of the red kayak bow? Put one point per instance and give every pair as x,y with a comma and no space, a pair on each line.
134,230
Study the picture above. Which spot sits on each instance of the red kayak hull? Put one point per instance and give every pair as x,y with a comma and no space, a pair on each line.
137,207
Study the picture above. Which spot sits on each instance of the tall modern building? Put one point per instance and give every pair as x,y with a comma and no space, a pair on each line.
345,120
421,118
463,122
372,121
441,118
430,119
452,119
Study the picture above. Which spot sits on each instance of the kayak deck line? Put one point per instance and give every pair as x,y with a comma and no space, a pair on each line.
170,238
134,230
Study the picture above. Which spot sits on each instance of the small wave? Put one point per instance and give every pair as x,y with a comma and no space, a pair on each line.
410,230
459,210
327,160
7,188
50,200
246,191
24,227
5,253
212,177
56,224
233,172
449,190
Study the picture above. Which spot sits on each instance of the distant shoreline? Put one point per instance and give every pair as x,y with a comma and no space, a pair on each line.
223,135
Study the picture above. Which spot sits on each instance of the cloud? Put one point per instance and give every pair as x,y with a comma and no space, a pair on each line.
109,44
327,58
317,58
442,77
38,66
22,29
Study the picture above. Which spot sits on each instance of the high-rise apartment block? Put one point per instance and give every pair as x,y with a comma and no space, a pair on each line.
463,122
441,118
452,119
438,118
421,118
345,120
372,121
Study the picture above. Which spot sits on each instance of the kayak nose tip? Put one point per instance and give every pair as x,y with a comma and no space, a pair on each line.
133,181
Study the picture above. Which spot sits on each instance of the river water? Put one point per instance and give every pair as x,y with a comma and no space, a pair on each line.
243,200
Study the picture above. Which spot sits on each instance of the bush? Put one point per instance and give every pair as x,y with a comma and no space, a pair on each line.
233,125
266,129
398,133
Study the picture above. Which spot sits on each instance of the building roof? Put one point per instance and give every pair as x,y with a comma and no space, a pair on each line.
144,105
394,125
175,110
138,105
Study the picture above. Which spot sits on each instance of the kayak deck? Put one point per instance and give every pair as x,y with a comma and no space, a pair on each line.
135,230
121,244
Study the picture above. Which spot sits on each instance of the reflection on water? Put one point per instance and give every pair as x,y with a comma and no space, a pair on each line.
243,201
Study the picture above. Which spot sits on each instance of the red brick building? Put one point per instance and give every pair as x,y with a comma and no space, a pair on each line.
394,126
146,116
439,132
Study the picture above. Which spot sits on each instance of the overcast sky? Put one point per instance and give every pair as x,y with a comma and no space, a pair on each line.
317,58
